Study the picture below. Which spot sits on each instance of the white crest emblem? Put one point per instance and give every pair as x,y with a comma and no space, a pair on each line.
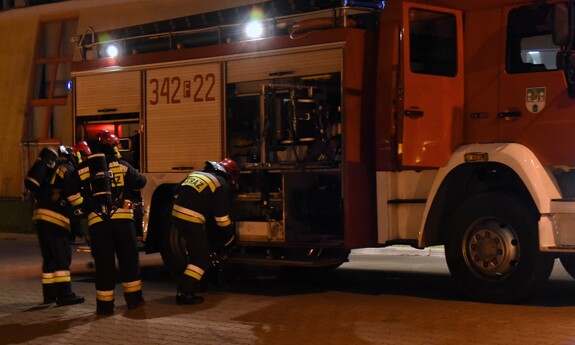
535,99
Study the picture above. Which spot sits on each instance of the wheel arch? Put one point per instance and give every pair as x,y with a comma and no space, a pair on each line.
511,168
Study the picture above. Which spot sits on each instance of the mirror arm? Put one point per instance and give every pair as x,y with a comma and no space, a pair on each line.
569,70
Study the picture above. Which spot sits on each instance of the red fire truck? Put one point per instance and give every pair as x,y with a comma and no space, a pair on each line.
357,124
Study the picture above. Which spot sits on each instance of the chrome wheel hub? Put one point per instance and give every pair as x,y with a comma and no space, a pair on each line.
491,248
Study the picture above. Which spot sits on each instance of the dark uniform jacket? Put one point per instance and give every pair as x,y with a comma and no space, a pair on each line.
57,196
125,179
201,197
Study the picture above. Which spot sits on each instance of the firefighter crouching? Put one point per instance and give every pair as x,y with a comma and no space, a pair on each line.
203,195
107,182
50,183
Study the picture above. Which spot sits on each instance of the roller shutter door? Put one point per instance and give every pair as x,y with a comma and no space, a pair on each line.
183,117
108,93
290,64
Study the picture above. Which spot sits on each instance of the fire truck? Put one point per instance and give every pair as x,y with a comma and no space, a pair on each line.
356,124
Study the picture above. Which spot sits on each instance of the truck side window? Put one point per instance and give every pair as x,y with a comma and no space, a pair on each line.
530,46
432,43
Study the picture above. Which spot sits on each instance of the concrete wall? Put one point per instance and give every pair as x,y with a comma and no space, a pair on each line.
18,28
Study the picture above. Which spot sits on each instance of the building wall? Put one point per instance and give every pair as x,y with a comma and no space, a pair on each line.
18,28
17,40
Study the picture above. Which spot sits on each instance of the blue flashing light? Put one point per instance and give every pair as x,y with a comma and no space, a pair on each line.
69,85
369,4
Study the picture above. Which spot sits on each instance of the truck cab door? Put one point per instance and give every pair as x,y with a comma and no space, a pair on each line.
432,83
534,108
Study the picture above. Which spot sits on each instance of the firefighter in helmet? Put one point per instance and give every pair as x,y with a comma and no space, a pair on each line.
201,197
49,181
107,182
82,150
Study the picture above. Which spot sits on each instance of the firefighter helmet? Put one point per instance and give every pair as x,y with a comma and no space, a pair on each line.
109,143
82,148
106,138
216,168
65,152
232,171
230,165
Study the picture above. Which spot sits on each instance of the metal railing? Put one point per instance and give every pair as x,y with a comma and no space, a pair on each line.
333,17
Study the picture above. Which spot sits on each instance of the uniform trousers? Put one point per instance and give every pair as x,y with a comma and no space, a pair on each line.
110,239
55,247
198,247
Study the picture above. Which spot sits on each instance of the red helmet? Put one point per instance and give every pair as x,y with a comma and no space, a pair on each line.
108,139
233,171
82,148
230,165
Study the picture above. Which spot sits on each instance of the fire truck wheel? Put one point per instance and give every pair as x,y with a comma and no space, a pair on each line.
568,262
173,250
492,249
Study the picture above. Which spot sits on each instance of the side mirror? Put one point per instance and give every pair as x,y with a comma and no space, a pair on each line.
560,24
561,21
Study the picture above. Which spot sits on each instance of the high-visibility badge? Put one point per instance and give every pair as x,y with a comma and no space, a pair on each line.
535,99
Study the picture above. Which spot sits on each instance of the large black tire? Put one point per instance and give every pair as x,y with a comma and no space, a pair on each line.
492,249
173,251
568,262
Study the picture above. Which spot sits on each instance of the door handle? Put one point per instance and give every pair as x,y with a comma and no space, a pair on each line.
510,115
413,114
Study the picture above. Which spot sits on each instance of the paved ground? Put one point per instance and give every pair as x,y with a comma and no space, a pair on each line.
355,306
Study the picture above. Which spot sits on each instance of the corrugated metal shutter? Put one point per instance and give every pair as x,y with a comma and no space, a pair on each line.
296,64
108,93
184,117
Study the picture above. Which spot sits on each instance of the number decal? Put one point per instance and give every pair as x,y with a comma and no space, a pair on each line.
200,79
165,91
210,77
177,81
154,89
175,89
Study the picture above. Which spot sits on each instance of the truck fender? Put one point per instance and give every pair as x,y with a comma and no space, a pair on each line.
537,180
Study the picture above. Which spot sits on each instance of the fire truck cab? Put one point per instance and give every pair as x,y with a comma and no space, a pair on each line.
357,124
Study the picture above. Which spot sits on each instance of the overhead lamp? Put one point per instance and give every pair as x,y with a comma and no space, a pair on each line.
111,50
254,29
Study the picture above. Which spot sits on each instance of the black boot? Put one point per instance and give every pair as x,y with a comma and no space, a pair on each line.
134,299
49,293
104,307
66,296
71,299
188,298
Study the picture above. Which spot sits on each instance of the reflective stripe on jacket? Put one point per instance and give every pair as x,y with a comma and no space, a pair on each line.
121,213
51,217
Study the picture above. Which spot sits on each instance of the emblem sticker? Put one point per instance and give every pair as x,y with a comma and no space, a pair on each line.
535,99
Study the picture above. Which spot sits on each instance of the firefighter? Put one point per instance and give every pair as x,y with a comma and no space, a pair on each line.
53,201
81,151
201,197
107,181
